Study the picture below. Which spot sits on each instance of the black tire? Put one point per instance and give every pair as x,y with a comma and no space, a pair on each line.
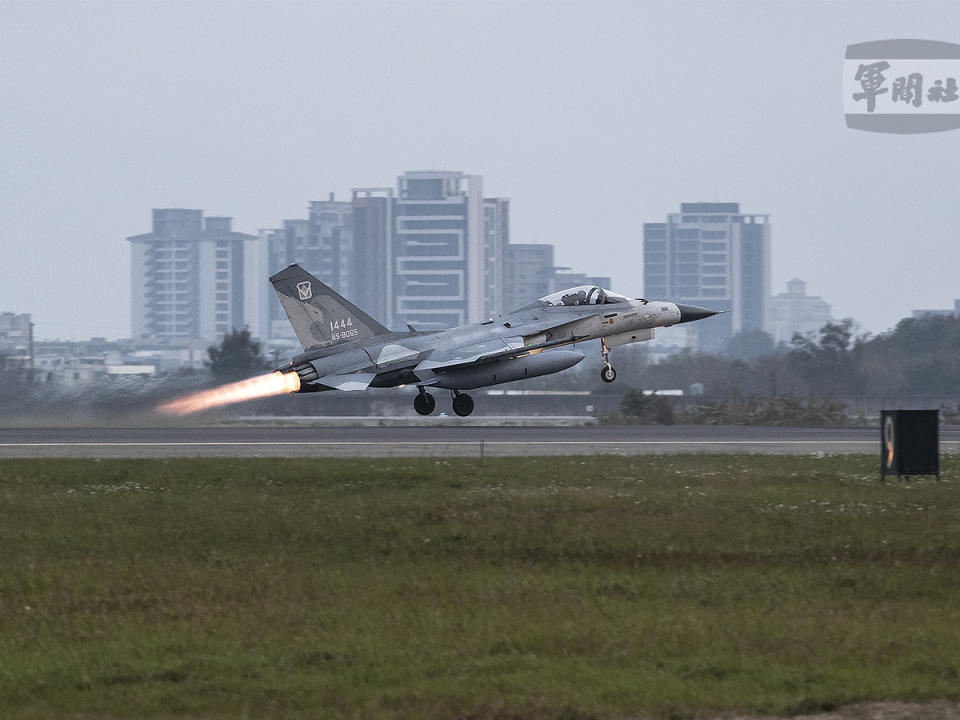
462,404
425,403
608,374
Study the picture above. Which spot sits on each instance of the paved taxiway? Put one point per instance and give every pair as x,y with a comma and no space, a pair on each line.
436,441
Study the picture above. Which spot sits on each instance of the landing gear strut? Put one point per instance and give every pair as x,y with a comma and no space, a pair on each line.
607,373
424,403
462,403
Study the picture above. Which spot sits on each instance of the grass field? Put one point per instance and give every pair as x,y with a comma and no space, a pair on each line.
548,588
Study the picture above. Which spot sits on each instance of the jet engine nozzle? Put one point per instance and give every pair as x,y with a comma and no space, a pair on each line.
307,373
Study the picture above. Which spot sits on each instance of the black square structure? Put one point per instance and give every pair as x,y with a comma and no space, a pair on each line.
910,442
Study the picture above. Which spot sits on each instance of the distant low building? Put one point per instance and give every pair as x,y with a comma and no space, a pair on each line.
98,361
14,333
795,312
919,314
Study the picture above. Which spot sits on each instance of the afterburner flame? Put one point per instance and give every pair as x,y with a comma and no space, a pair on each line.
276,383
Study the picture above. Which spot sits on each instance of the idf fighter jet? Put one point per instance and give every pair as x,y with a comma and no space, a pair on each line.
346,349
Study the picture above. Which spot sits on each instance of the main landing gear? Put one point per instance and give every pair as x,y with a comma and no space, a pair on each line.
462,403
607,373
424,403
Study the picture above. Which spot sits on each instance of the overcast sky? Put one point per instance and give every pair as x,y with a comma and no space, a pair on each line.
592,117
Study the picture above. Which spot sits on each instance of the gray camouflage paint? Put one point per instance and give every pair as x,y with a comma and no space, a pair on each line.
503,349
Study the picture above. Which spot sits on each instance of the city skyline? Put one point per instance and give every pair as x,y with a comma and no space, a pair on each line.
593,118
433,252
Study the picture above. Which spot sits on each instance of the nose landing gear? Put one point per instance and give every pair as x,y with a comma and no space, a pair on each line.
462,403
607,373
424,403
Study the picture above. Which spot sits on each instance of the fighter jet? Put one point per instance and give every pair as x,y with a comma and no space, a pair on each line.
346,349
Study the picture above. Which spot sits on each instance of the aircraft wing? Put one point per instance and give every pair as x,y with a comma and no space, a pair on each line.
487,351
472,353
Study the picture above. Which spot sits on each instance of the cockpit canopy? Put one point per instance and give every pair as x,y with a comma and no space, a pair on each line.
583,295
580,295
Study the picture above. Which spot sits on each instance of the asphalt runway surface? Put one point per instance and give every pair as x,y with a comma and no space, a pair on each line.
437,441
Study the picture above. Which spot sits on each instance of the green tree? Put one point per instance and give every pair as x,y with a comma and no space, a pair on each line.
236,357
835,337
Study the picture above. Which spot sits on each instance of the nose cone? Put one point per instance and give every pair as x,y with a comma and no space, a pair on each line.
689,313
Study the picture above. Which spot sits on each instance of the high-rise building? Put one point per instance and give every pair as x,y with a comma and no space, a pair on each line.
527,271
370,279
329,241
496,237
438,250
284,246
796,312
713,255
428,254
188,277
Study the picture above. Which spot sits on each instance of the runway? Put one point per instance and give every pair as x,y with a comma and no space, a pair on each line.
436,441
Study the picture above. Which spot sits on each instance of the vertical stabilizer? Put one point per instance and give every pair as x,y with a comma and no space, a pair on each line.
319,315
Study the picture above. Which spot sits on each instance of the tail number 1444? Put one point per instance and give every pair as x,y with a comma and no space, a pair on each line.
340,329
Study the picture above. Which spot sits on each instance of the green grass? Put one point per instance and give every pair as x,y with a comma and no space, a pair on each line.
564,587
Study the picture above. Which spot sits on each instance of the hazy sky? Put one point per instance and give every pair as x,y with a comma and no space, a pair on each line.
592,117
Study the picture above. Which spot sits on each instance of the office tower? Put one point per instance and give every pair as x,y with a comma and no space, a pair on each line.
527,272
329,243
438,250
713,255
370,279
496,237
284,246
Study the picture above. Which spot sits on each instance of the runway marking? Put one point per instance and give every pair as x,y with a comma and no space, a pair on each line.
329,443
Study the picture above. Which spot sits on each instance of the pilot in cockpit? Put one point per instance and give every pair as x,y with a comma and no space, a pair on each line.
596,296
575,298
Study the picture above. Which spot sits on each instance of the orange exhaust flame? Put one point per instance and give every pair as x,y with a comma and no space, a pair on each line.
276,383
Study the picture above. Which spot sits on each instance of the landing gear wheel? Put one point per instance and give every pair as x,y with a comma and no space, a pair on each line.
607,374
462,404
424,403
